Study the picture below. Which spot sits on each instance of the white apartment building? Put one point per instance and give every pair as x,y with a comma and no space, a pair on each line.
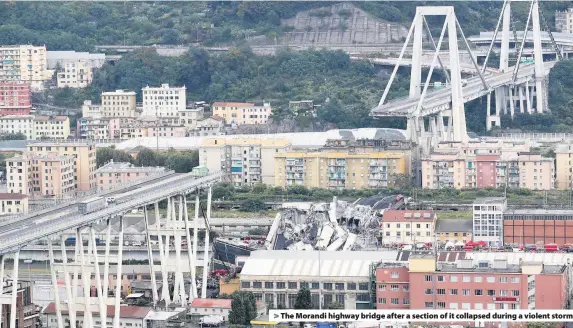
488,220
61,58
91,110
36,127
119,103
190,116
18,124
163,101
564,21
76,74
17,175
25,63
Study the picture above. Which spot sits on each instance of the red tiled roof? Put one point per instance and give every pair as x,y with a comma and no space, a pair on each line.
406,215
233,104
135,312
12,196
212,303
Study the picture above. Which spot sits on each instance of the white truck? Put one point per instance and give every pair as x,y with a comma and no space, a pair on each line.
92,205
211,321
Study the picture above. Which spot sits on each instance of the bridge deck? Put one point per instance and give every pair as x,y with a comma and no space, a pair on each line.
440,99
36,227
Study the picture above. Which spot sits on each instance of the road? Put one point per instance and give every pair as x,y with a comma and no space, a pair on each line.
34,227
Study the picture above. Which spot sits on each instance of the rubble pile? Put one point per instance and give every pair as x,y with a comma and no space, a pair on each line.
338,225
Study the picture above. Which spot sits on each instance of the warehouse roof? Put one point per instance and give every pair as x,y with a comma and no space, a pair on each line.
305,263
514,258
297,139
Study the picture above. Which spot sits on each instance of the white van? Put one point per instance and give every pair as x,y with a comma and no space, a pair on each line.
110,200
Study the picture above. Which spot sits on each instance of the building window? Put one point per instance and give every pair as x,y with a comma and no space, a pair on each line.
394,275
395,301
478,292
441,291
327,285
394,288
406,288
466,279
352,286
503,293
477,279
245,284
339,286
257,284
491,292
428,291
304,284
453,292
314,285
406,301
441,305
454,278
515,280
429,305
268,284
281,285
428,278
515,293
363,286
381,301
490,279
466,292
292,285
381,288
503,279
440,278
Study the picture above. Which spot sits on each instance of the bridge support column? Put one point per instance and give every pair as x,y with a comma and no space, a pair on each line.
195,245
521,102
55,286
116,317
492,119
540,77
511,102
12,297
150,256
206,253
528,98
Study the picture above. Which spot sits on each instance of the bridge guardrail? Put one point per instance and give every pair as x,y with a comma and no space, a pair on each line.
15,241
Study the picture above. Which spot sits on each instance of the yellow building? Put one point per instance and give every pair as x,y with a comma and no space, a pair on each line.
51,127
242,113
248,160
229,287
454,230
76,74
119,103
11,204
18,175
25,63
339,169
564,166
84,155
52,176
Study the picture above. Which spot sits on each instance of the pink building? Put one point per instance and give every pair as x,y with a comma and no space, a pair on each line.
424,283
113,174
15,98
487,170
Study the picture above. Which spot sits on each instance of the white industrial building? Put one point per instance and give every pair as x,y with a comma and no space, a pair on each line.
276,276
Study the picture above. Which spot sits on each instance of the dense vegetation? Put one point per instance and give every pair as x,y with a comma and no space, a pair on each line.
180,162
81,25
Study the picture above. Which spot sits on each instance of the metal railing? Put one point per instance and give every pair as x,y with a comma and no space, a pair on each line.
23,236
80,196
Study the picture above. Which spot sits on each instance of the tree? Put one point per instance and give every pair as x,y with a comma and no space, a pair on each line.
226,296
106,154
336,306
13,136
253,205
243,308
146,157
303,299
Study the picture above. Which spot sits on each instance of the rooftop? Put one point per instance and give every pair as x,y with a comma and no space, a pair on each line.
407,215
8,196
217,142
289,263
134,312
489,200
212,303
454,225
297,139
51,118
538,211
113,167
